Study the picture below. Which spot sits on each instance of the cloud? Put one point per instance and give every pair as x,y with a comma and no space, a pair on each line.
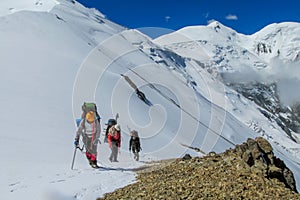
231,17
206,15
167,18
288,91
286,76
244,75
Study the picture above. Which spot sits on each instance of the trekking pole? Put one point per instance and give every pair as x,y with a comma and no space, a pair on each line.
77,147
73,158
129,129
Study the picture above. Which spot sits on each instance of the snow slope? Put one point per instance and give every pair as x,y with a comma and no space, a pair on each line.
58,54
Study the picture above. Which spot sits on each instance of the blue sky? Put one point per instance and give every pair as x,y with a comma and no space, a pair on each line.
244,16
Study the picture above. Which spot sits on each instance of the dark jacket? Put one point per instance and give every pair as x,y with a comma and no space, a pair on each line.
134,144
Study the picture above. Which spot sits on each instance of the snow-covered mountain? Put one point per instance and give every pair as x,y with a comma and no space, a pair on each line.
264,67
56,54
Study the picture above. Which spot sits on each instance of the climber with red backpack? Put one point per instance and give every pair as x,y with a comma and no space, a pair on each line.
89,128
114,141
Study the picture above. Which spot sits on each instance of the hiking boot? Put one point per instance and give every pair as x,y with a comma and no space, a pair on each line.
94,164
136,156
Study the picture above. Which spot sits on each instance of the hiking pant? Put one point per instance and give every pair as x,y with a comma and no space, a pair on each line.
136,156
91,148
114,151
135,153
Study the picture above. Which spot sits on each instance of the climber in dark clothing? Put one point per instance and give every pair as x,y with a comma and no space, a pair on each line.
134,144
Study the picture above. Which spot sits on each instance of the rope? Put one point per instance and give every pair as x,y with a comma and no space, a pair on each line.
173,102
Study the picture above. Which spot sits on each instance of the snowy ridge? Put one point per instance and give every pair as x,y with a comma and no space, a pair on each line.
218,40
278,40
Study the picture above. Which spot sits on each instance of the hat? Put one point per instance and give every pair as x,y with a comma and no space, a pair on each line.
134,133
118,127
90,116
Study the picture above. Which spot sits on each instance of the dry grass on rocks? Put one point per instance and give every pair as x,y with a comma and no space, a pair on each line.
250,171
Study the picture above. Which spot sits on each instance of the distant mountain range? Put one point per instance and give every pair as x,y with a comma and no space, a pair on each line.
263,67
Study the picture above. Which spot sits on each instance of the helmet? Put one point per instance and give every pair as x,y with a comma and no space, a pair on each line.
134,133
111,122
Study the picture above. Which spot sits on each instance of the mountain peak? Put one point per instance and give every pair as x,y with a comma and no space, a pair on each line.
282,39
215,24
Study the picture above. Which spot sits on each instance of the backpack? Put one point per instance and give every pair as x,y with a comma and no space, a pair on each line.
110,123
141,95
86,107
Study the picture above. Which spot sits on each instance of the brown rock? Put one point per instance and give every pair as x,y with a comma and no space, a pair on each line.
240,173
187,157
264,145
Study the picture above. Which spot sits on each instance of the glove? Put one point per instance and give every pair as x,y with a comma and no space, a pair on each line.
76,143
96,142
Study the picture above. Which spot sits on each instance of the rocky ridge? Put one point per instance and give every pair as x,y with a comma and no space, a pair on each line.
249,171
